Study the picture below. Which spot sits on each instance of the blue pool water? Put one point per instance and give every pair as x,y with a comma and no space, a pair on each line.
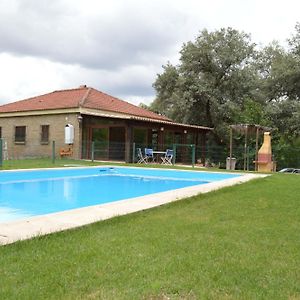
37,192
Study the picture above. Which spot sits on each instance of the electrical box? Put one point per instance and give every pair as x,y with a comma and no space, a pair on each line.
69,134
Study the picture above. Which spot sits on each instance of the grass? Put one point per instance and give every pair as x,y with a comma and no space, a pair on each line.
43,163
65,162
240,242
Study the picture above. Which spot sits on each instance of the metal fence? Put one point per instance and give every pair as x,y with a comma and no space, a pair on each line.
104,151
245,157
184,154
11,154
218,156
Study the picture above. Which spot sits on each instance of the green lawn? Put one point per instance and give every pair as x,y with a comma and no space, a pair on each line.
43,163
241,242
47,163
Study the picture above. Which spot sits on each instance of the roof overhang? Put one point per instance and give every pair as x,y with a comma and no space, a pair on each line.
39,112
106,114
171,123
97,113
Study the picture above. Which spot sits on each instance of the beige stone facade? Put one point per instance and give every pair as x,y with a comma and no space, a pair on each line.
117,133
33,146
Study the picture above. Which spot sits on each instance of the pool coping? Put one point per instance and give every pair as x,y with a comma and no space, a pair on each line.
12,231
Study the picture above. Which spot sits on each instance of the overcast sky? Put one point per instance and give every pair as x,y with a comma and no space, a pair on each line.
118,46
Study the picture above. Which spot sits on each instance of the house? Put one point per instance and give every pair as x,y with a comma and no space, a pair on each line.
110,125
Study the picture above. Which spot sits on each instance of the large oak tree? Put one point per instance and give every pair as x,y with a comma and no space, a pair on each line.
216,76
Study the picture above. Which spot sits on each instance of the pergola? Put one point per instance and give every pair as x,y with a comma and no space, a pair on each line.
247,130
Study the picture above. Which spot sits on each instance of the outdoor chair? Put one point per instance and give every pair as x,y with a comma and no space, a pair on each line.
149,155
141,158
167,159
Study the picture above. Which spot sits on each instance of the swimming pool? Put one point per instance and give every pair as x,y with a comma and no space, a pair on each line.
30,193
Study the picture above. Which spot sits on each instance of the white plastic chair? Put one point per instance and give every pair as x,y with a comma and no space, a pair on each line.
141,158
167,159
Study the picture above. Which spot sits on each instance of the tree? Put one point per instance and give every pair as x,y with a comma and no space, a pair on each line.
272,62
165,86
215,76
223,79
293,72
280,81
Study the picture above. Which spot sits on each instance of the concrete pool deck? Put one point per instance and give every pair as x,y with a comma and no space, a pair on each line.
13,231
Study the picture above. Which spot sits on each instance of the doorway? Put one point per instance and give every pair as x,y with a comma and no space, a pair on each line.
117,143
100,137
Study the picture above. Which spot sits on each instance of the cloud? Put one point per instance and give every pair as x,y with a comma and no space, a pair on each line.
65,34
117,46
27,77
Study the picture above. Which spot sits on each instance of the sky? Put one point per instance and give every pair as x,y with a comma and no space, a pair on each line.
116,46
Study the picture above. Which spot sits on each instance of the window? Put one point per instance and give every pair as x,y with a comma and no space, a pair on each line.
0,132
44,134
20,134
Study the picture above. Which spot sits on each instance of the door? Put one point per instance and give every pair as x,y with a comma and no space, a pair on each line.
117,143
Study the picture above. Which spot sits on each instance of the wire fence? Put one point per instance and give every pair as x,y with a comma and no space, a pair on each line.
11,154
218,156
282,156
183,154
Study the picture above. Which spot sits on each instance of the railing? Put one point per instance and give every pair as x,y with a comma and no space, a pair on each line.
104,151
183,154
11,154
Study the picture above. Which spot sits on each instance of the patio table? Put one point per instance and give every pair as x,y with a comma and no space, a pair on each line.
156,153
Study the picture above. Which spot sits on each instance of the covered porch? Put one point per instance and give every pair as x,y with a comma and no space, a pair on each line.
109,138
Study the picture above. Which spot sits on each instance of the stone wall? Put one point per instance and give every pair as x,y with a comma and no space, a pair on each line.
33,147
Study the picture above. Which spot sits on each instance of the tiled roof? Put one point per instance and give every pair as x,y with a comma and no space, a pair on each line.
84,97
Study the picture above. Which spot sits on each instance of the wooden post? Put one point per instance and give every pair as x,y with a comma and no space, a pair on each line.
203,148
256,148
245,148
248,155
93,151
1,153
230,148
128,143
193,155
133,153
53,152
174,154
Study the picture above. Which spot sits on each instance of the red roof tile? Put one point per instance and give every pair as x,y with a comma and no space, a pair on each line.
81,97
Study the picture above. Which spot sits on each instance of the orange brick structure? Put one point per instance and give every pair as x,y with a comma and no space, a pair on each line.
264,161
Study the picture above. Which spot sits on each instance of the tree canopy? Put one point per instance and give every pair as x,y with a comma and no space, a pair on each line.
224,78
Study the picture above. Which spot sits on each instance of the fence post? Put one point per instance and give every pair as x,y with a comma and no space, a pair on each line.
193,155
53,152
248,153
133,153
174,154
93,150
1,153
